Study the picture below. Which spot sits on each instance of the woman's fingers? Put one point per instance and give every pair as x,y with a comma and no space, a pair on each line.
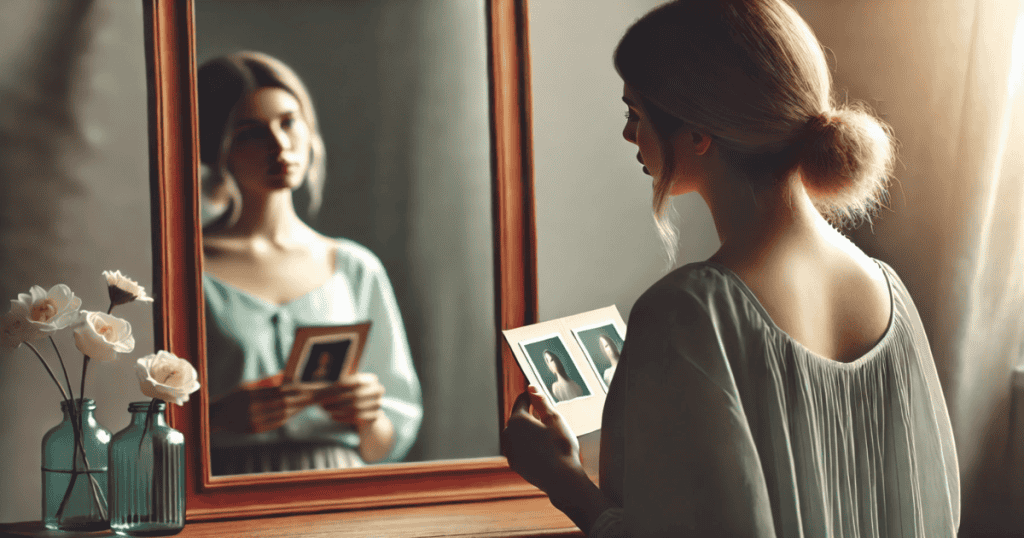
521,404
355,399
542,408
368,404
354,417
368,387
356,380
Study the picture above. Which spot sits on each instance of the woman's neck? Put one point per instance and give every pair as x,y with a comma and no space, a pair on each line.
751,222
269,217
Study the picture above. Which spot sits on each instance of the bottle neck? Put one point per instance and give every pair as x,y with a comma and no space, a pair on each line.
86,409
139,415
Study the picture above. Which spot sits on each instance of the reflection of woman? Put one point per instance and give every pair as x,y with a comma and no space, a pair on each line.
612,354
267,273
785,387
563,388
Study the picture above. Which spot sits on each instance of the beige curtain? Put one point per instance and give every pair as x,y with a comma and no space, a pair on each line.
988,318
947,75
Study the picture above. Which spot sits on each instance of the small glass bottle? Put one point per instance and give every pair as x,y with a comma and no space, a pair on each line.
147,475
82,506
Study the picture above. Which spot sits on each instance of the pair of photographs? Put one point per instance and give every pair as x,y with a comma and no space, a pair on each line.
572,360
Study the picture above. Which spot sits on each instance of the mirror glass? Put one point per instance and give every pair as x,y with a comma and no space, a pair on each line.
400,93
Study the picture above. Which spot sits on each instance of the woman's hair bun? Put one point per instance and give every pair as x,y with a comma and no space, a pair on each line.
847,159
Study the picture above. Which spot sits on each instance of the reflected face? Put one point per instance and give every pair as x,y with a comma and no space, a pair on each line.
270,142
639,131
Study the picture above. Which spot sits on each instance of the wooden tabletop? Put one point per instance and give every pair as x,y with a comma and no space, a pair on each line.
493,519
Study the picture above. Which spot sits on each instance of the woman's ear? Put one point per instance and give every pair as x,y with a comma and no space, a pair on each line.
701,142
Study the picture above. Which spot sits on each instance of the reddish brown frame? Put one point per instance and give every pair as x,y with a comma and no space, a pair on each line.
170,56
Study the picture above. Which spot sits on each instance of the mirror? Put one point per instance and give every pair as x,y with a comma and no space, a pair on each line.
400,93
172,61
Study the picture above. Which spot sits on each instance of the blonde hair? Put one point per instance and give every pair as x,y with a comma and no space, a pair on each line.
222,83
753,76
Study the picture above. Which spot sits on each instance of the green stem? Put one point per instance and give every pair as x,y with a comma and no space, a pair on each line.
67,379
145,425
85,368
97,494
75,427
49,371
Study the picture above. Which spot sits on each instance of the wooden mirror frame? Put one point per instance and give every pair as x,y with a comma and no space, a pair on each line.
179,312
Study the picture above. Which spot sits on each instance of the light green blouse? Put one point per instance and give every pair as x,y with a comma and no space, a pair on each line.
718,423
249,339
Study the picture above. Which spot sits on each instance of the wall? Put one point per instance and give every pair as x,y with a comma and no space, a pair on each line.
74,178
596,240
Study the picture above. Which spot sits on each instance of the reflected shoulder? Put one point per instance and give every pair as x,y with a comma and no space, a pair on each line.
350,253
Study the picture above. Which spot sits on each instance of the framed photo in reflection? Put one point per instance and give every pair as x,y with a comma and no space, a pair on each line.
321,355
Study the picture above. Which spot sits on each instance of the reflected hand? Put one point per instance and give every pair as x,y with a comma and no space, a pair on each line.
354,399
541,446
258,409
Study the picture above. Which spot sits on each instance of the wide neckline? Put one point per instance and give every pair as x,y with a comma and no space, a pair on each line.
874,351
269,305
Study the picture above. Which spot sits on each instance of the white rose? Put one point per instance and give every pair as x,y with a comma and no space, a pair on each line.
165,376
15,329
47,311
123,289
102,336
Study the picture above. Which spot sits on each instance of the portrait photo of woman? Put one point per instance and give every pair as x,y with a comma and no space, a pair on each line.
553,366
602,345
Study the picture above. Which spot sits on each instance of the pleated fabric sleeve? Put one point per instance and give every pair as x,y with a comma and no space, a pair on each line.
690,466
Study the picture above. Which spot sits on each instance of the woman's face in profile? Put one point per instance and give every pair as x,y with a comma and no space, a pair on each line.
639,131
270,142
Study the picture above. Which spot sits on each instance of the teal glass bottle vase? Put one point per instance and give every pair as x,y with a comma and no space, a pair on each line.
75,488
147,475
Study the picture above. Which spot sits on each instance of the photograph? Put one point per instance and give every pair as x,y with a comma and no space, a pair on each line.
326,361
602,344
321,355
553,365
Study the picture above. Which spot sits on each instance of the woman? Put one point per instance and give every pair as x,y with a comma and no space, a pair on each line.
785,387
612,354
562,388
266,273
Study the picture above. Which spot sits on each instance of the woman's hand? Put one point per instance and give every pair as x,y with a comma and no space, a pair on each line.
543,449
256,408
540,446
354,399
